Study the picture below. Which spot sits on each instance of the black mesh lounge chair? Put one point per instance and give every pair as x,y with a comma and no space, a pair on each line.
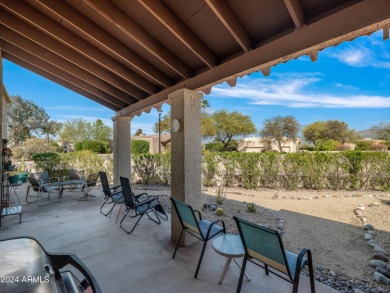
42,184
112,195
264,248
201,229
137,209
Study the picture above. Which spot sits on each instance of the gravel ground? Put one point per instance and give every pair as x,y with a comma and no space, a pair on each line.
323,221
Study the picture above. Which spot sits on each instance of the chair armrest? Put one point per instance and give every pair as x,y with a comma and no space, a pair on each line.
148,201
115,187
299,261
141,194
214,223
199,214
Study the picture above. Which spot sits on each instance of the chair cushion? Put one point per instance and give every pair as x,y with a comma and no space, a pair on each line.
204,226
292,262
118,197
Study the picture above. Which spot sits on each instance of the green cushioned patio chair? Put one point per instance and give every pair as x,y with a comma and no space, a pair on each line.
199,228
264,248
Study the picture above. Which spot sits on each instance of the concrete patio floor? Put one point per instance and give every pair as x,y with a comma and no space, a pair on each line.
139,262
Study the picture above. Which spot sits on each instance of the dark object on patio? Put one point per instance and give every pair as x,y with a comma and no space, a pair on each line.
201,229
137,209
265,245
42,183
111,195
27,267
90,184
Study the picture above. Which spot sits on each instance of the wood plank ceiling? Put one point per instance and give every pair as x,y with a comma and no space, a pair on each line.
128,55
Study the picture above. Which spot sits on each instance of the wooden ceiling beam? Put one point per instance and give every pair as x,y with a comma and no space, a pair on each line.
231,22
59,81
360,19
65,52
296,12
180,30
14,39
36,18
56,71
139,35
77,20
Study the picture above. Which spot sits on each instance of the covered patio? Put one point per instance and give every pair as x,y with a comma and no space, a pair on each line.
139,262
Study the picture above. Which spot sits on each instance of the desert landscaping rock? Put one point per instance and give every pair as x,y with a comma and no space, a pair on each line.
381,256
358,212
372,242
367,236
384,271
368,227
378,249
381,279
376,263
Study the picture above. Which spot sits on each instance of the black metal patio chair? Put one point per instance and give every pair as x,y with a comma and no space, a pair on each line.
137,209
112,195
201,229
264,248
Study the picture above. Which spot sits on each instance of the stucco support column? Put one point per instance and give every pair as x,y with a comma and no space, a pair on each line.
121,147
186,153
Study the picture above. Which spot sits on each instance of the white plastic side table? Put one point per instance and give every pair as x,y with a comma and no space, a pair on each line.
229,245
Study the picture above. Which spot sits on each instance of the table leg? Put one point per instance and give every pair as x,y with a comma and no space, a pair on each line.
240,269
229,259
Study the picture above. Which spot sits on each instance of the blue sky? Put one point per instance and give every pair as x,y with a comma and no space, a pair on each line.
350,83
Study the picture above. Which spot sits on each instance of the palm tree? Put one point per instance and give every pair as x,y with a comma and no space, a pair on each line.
204,103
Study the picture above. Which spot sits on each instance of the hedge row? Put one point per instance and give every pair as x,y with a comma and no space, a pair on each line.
349,170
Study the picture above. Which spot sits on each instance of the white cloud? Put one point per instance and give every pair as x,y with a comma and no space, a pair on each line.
291,91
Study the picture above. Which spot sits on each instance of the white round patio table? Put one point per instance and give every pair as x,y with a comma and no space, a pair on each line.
228,245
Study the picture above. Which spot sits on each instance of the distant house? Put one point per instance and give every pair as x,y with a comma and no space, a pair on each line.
5,100
153,142
259,144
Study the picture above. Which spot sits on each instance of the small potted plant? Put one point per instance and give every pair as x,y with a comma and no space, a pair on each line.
13,178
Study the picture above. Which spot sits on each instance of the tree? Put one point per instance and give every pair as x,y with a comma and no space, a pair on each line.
139,147
325,130
382,130
280,129
79,130
204,103
228,126
138,132
25,118
51,128
165,124
314,131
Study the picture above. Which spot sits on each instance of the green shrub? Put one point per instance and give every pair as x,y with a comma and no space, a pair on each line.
251,207
209,168
220,195
31,147
139,147
325,145
363,145
306,147
144,165
164,167
88,161
214,146
95,146
49,162
219,212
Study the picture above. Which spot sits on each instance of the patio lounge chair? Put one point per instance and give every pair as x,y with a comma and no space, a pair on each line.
111,195
42,183
264,248
137,209
201,229
75,180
